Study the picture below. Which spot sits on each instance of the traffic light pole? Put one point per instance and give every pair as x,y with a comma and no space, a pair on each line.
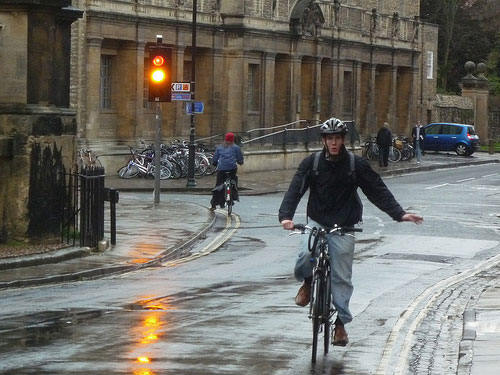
191,182
158,118
157,152
159,90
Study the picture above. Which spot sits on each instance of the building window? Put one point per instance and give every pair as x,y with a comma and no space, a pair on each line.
430,64
253,87
187,71
348,92
106,67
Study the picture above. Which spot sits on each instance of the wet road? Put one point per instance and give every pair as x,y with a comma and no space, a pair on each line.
232,311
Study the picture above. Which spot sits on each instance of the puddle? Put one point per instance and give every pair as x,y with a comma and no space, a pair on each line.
42,328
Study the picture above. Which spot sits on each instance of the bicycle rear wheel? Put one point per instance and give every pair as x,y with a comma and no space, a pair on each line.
372,152
227,196
394,154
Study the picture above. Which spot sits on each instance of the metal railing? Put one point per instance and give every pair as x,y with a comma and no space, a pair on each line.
83,208
92,206
304,132
292,134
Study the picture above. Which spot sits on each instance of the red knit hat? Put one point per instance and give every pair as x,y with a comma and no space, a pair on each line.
229,137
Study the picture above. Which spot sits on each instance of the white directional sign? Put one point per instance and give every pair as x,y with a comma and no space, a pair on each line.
181,87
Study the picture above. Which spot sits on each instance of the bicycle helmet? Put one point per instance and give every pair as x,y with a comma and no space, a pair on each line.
333,126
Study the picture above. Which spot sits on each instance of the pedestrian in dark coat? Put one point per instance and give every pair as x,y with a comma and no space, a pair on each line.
384,142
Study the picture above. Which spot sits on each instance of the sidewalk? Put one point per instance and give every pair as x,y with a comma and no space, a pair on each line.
148,235
264,182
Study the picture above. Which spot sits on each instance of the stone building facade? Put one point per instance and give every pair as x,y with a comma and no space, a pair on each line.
37,127
259,63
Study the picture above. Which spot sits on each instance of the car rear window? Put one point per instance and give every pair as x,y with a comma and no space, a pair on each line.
471,130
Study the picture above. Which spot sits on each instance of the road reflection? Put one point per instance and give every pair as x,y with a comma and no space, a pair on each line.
149,331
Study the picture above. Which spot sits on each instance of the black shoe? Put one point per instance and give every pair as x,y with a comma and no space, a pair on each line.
213,208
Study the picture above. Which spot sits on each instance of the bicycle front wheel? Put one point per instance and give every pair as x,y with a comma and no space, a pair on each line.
315,315
128,171
327,313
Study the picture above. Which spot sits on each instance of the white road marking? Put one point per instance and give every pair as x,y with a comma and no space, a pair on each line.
436,186
466,179
216,243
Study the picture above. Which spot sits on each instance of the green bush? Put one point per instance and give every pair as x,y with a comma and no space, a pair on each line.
486,148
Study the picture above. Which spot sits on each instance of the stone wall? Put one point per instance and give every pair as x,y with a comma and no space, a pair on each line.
454,108
36,125
44,144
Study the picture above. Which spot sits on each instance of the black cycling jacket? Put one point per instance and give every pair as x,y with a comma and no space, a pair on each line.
333,199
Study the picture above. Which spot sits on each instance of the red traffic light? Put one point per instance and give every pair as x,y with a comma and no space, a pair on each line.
160,74
158,60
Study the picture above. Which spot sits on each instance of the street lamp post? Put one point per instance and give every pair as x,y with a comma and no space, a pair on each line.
191,182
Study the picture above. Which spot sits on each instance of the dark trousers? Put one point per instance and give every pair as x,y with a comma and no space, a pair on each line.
218,191
383,155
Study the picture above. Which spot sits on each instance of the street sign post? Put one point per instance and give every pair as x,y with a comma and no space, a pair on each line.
198,108
181,91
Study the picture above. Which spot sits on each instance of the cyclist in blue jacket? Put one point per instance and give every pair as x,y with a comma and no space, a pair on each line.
334,201
226,157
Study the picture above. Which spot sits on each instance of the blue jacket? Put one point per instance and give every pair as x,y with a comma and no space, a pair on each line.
226,157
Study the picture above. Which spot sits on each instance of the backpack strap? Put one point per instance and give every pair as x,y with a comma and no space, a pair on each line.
316,162
352,171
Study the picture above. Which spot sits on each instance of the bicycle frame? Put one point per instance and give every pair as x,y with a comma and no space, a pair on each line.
321,310
139,161
228,192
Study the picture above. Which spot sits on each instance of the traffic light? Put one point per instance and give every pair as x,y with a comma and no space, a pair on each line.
160,74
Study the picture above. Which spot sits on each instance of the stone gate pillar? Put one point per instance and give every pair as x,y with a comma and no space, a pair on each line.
36,124
477,89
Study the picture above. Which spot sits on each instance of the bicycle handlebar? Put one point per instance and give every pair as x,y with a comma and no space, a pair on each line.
344,229
313,233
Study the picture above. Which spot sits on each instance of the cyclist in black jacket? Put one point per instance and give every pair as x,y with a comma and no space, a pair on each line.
333,200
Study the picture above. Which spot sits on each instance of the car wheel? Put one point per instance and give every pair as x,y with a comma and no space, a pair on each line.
462,149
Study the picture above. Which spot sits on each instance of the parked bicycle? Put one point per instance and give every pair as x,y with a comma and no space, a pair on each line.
405,147
87,159
174,157
371,151
321,310
142,164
